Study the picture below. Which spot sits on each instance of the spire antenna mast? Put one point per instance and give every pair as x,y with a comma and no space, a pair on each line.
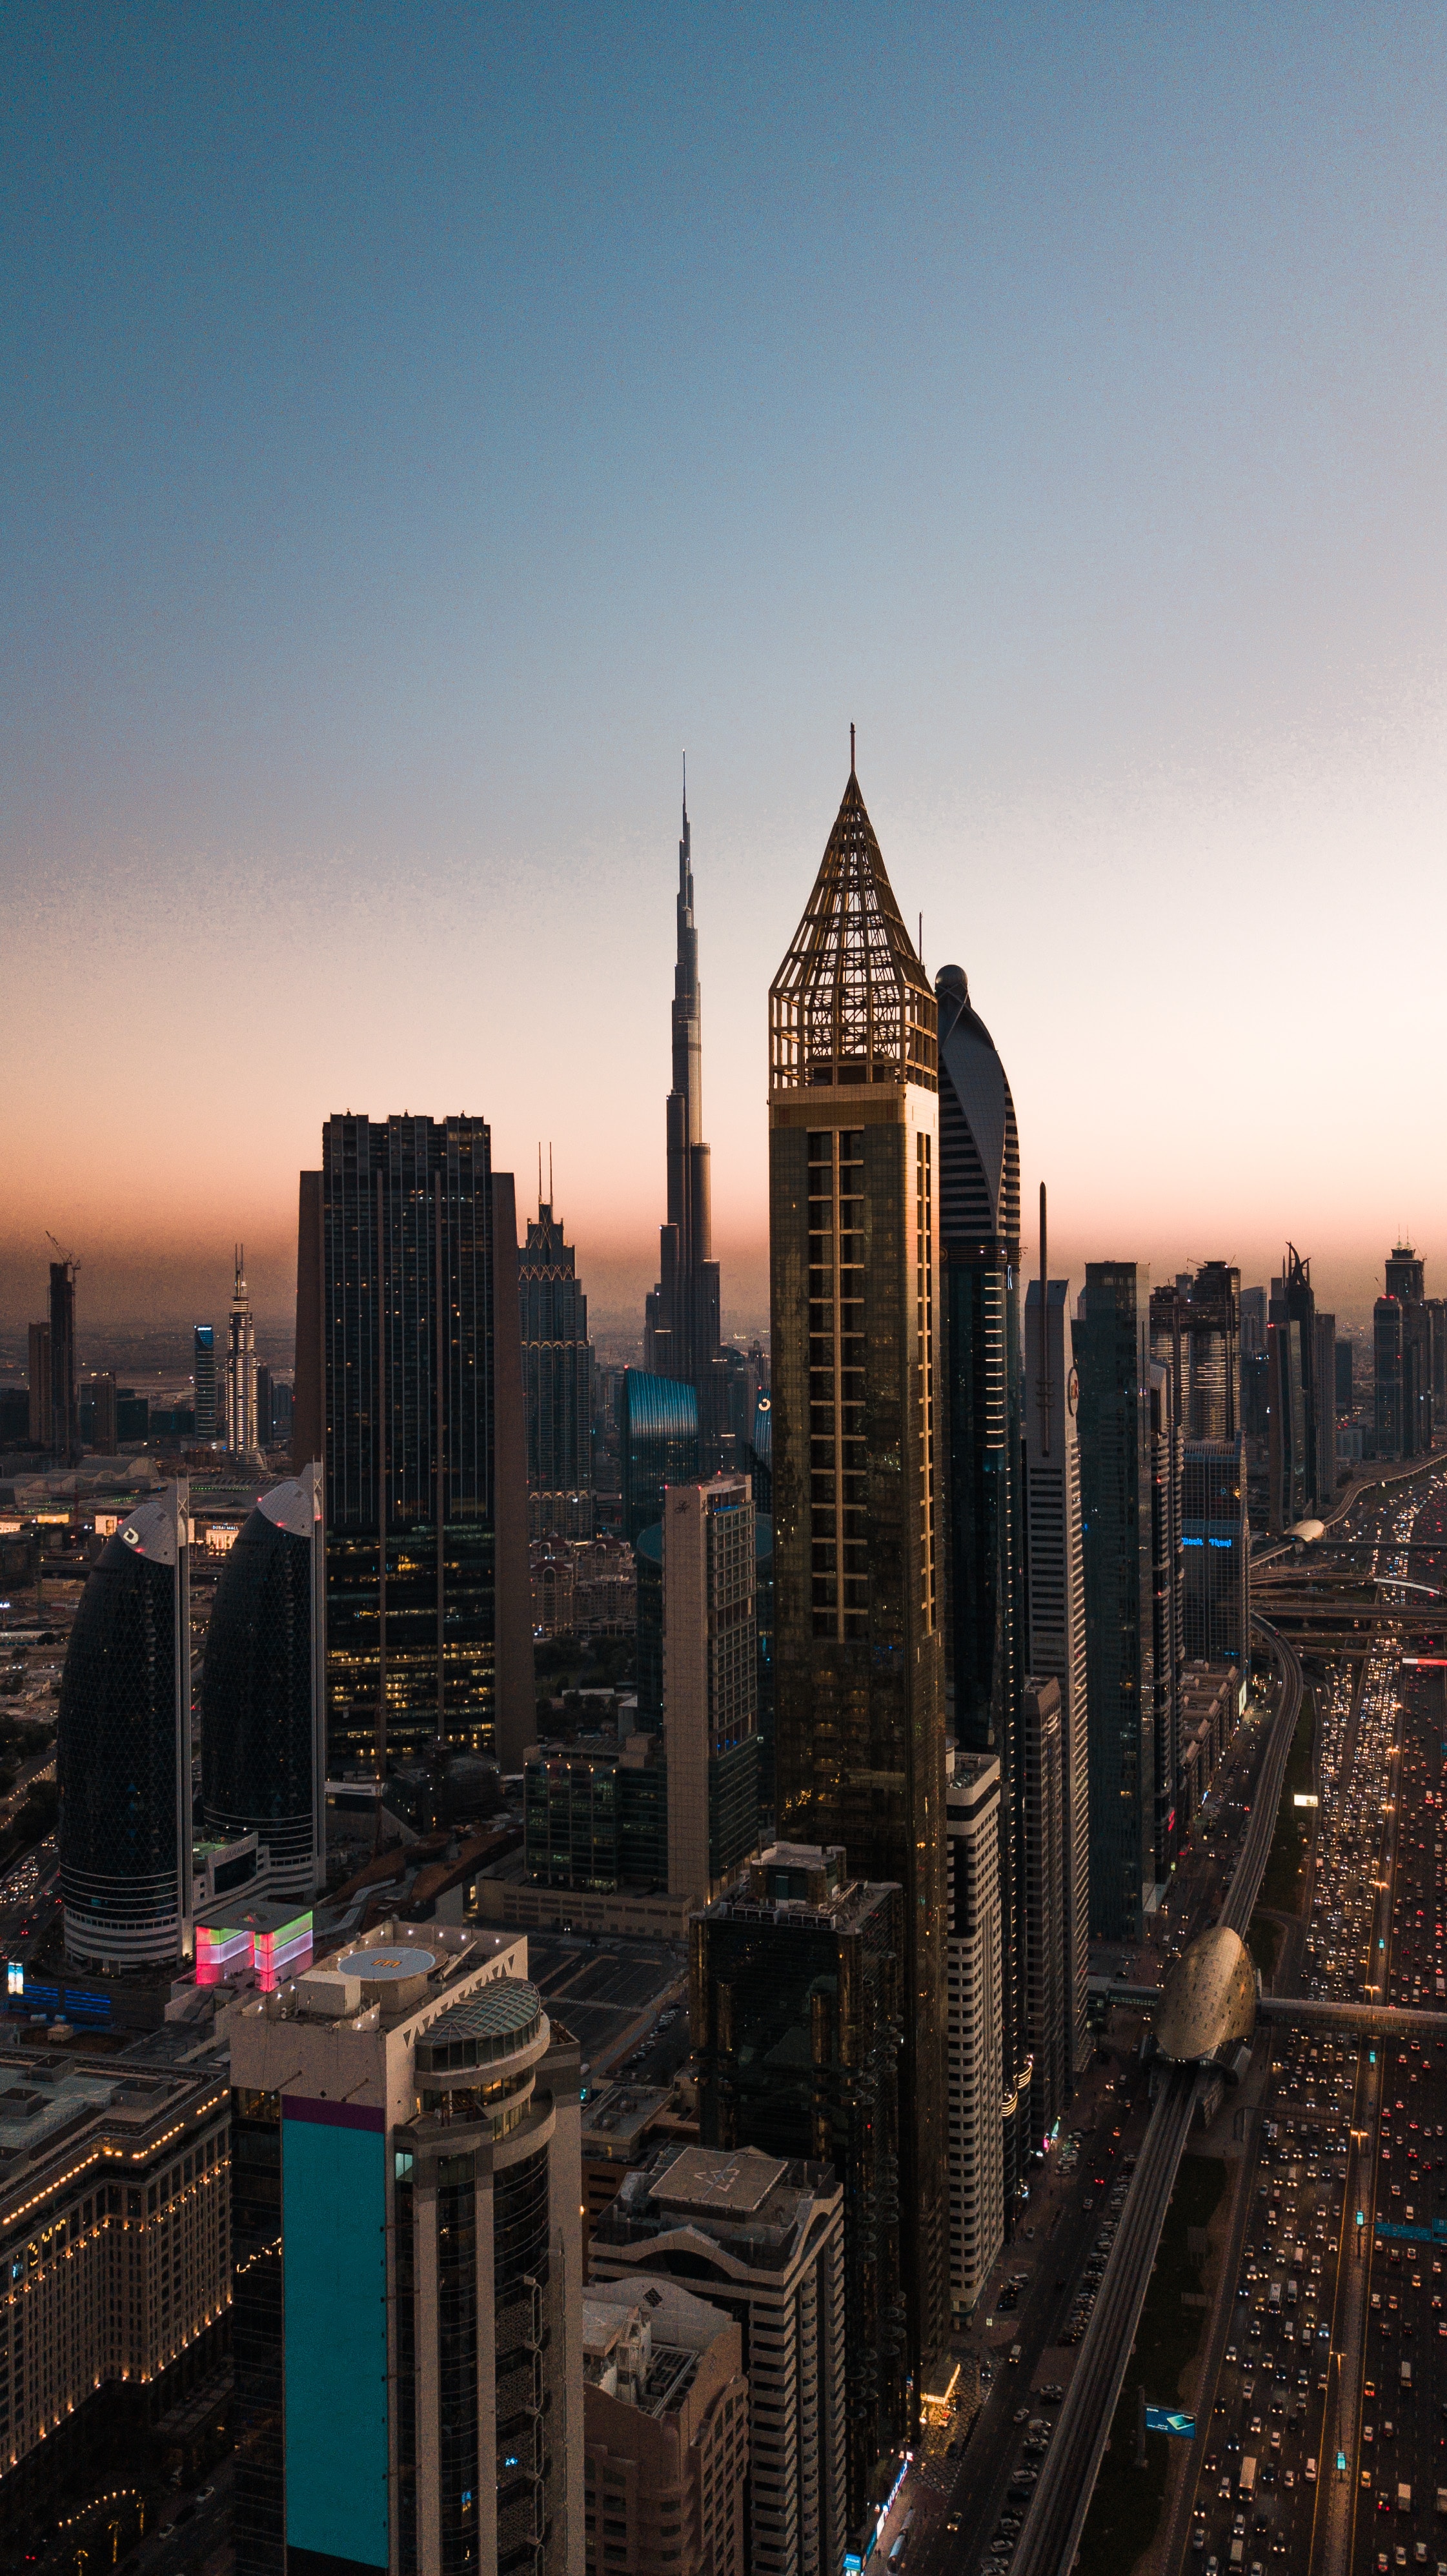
1047,1392
851,751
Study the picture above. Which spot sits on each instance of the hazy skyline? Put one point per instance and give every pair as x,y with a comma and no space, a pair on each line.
418,428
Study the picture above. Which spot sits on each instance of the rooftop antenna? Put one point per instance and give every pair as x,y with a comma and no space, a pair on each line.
851,751
540,1176
550,1171
1047,1392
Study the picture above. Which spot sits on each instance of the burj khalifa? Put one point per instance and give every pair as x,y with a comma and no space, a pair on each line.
681,1333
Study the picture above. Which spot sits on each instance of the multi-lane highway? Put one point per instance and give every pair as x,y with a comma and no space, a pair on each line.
1311,2376
1062,2496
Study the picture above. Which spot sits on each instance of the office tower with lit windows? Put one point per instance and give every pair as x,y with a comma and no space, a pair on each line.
974,2095
1055,1598
39,1386
263,1695
123,1748
64,1386
681,1321
1402,1348
241,1436
794,2012
981,1377
1216,1546
102,1412
407,2316
408,1335
658,1444
1167,1587
858,1665
203,1378
1301,1398
710,1684
1044,1854
1196,1333
557,1374
1112,1362
1325,1424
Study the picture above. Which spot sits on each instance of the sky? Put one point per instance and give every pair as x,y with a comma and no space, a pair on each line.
418,425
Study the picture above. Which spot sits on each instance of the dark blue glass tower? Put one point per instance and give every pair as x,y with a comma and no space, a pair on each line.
263,1743
123,1751
657,1444
983,1380
1112,1359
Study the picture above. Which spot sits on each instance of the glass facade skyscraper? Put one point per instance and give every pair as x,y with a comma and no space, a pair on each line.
428,1616
1055,1597
1302,1397
407,2314
1112,1362
658,1443
979,1228
681,1323
203,1373
263,1735
557,1372
1216,1542
858,1661
241,1427
794,2007
123,1749
1403,1358
64,1386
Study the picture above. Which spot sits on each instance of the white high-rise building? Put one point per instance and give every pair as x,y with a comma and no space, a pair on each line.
974,2082
710,1684
763,2238
1055,1636
240,1369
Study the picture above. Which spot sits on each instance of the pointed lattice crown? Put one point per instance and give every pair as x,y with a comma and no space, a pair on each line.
851,1001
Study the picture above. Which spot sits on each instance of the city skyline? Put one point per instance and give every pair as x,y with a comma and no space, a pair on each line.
381,527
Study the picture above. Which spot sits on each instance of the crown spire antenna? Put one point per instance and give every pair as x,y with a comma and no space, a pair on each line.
851,751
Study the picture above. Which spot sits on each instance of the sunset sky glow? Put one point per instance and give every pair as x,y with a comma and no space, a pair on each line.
419,425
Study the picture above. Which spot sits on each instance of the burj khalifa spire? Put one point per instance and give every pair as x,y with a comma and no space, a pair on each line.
682,1328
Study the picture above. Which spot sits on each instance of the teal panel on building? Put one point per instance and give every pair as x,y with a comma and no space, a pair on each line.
334,2216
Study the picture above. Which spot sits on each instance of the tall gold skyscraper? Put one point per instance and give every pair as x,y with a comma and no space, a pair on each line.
853,1180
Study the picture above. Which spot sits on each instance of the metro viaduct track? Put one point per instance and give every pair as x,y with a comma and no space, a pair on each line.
1303,2012
1058,2507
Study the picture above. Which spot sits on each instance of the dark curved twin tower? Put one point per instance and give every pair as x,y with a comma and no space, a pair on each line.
128,1861
263,1748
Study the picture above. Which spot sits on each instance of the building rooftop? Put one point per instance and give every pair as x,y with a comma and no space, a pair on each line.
706,2179
643,2339
49,2111
756,2208
619,2117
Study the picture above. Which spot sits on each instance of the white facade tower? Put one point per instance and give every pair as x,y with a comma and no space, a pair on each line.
1055,1593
